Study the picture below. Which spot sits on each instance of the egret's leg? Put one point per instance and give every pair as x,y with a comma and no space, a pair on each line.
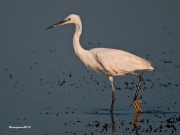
140,82
136,106
113,94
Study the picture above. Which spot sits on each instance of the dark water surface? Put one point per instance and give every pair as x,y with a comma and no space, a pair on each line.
45,86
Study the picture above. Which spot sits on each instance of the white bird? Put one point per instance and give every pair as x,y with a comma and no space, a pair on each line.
111,62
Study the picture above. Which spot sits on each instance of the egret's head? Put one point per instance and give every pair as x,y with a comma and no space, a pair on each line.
70,19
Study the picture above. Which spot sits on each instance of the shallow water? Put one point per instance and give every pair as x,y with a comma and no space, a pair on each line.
45,86
61,101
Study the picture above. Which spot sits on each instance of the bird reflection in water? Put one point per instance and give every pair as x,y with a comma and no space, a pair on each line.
113,124
135,122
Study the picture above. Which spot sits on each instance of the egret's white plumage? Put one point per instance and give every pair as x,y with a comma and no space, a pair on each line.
111,62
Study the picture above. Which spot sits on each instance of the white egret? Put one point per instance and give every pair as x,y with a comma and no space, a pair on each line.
111,62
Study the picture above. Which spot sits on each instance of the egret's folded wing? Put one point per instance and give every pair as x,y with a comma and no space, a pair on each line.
116,60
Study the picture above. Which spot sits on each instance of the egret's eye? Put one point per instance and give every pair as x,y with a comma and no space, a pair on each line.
69,19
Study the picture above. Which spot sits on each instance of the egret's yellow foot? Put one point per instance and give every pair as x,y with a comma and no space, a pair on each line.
136,106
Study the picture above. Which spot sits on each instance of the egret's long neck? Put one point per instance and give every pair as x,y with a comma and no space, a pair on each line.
76,43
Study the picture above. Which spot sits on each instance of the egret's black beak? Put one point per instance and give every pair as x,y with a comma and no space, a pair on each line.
57,24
